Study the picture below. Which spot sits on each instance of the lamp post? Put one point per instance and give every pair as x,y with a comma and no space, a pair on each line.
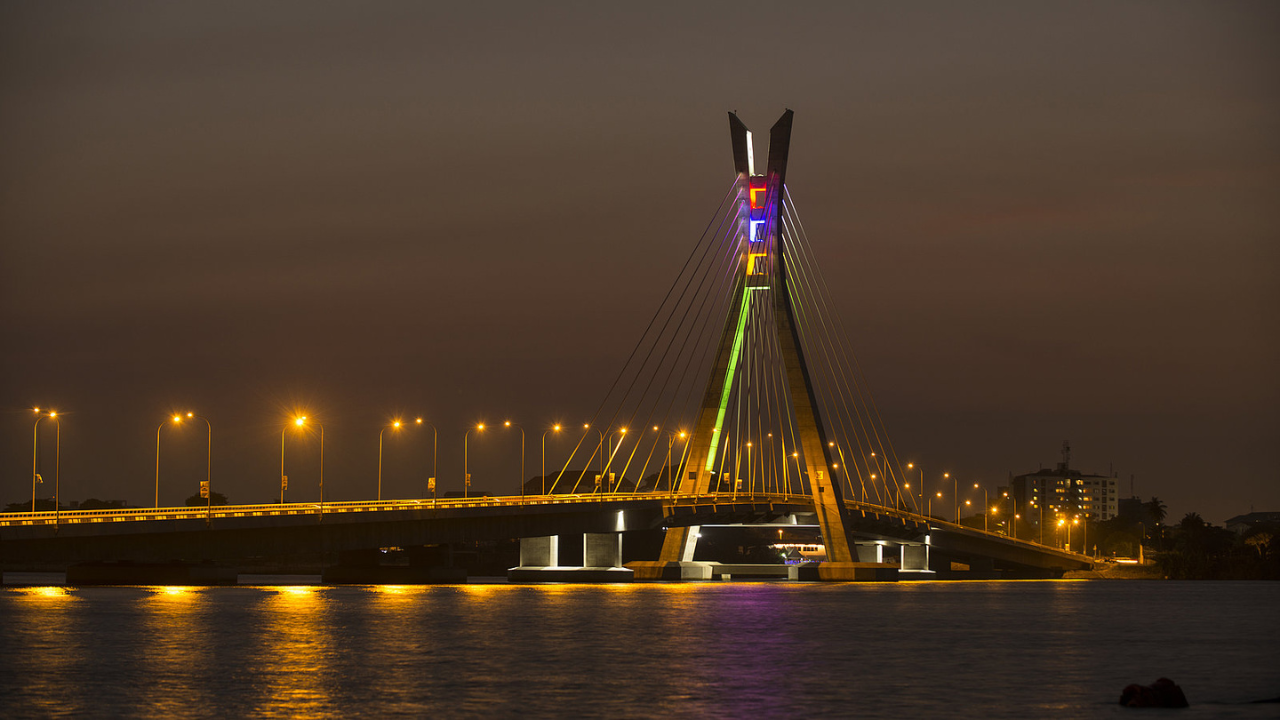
671,440
599,448
300,421
207,490
466,474
913,466
435,446
612,449
57,466
554,428
57,461
395,425
508,423
175,420
986,504
955,494
622,433
1013,529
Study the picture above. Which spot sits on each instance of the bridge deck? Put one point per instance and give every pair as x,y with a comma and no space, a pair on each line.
411,521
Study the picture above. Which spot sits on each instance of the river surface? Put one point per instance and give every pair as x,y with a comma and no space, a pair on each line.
893,650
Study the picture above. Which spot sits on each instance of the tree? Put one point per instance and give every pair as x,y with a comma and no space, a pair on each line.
1192,522
1260,541
1156,510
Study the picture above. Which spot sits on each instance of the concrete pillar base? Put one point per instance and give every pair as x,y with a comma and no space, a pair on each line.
570,574
659,570
844,572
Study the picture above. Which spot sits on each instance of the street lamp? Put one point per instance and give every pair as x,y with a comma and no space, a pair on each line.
395,425
206,487
671,440
435,446
599,448
298,421
795,455
554,428
176,419
955,494
912,466
622,433
986,503
57,461
1012,526
466,474
301,421
516,425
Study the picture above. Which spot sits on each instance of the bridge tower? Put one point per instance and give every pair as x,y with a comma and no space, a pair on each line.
762,276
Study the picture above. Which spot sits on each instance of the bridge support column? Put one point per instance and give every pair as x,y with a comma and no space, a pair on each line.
602,550
915,560
601,560
676,560
871,553
540,551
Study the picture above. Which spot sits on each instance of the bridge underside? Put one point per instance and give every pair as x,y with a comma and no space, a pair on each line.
256,539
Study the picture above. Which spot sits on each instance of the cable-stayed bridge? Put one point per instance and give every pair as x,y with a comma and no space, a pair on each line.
742,403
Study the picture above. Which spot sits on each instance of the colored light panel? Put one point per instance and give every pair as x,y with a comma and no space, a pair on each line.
728,377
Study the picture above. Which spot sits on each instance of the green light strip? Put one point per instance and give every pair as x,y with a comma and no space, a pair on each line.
728,379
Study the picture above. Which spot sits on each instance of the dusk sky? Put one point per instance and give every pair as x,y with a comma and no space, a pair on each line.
1042,222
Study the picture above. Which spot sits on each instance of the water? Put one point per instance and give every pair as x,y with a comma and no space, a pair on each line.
979,649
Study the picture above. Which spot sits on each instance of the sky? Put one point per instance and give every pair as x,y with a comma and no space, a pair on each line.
1042,222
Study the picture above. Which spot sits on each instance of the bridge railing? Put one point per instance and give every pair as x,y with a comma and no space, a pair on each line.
73,517
955,527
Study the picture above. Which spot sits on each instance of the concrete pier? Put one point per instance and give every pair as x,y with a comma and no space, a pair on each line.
601,561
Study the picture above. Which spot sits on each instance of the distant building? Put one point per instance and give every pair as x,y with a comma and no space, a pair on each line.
1067,492
1242,524
1132,509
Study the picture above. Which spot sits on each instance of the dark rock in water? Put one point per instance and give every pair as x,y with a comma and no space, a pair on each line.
1162,693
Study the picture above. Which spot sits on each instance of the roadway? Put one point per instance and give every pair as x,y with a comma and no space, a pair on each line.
240,533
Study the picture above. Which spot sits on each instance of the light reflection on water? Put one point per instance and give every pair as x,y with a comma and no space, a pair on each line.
997,649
